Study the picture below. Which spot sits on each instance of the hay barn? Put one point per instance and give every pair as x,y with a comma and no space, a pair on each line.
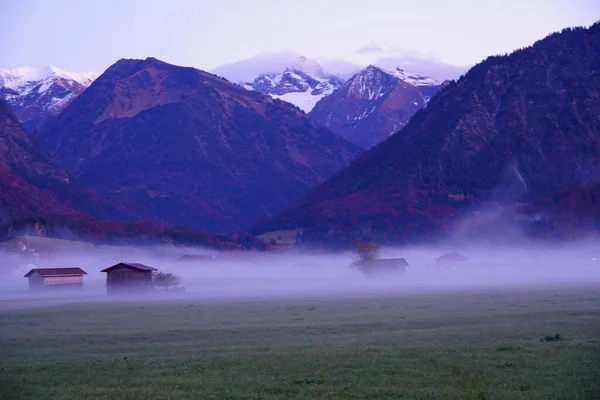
128,278
384,266
451,259
40,278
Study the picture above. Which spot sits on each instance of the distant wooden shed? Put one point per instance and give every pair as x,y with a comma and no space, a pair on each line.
384,266
40,278
451,259
128,278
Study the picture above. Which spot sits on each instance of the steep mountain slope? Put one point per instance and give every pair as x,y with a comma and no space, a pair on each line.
38,197
374,104
302,83
185,147
514,128
36,94
33,184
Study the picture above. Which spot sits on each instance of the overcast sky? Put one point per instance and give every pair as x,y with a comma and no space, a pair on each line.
82,35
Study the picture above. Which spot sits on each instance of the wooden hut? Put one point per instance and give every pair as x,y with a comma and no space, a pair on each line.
40,278
128,278
384,266
452,259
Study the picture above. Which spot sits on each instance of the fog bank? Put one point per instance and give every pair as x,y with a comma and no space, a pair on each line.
260,275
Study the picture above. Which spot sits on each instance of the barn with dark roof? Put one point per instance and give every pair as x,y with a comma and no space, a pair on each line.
128,278
40,278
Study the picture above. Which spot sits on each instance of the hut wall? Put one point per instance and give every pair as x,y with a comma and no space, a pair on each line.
123,279
36,281
384,266
63,280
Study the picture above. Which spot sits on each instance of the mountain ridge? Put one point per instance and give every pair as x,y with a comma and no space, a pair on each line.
185,147
498,135
374,104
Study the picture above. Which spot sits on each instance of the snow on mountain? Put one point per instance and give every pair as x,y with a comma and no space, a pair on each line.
391,58
374,82
274,63
297,84
264,72
384,98
286,76
374,104
413,79
304,100
15,78
36,94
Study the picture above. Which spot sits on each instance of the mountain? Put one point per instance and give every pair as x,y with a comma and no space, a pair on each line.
300,81
374,104
184,147
514,129
33,184
36,94
392,58
296,86
304,81
40,198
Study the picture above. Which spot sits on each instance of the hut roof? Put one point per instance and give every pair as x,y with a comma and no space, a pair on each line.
136,266
57,272
451,258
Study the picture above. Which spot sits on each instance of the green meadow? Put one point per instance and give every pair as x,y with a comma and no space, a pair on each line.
469,345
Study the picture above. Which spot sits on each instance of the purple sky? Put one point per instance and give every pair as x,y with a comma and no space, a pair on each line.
80,35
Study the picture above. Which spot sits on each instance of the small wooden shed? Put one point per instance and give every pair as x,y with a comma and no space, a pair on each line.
384,266
128,278
452,259
40,278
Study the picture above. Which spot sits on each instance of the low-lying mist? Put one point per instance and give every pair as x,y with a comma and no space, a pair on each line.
307,274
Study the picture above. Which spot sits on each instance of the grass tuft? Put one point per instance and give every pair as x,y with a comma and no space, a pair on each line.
551,338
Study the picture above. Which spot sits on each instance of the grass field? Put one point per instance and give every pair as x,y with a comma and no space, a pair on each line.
471,345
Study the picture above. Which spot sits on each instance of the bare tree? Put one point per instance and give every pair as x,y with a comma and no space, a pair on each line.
166,280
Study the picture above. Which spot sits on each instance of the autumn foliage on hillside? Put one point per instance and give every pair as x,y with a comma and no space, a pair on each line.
569,214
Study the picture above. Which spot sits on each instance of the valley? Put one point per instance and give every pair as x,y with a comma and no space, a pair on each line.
406,207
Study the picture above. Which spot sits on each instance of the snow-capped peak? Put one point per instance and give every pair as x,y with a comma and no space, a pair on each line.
38,93
15,78
302,82
414,79
410,78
